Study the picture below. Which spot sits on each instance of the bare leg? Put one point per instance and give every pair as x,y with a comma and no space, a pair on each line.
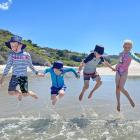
19,95
118,98
16,93
128,97
118,77
97,85
13,93
122,89
54,99
122,82
32,94
61,94
86,86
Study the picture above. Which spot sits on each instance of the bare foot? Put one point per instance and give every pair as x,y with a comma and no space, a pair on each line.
132,103
19,97
118,108
32,94
80,97
90,95
25,94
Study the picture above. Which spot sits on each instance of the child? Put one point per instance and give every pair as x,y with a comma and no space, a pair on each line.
19,60
122,71
90,64
57,76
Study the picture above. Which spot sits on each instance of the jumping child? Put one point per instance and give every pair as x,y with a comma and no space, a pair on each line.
57,76
122,67
19,60
90,63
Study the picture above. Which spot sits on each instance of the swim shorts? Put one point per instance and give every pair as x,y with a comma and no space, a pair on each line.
22,81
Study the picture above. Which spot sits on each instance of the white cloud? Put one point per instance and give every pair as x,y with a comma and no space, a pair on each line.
5,5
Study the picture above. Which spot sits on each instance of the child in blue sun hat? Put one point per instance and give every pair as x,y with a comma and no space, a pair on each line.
19,60
57,73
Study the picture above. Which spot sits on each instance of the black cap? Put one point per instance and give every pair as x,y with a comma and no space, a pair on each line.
99,49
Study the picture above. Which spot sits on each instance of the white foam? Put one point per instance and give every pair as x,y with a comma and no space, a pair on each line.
82,139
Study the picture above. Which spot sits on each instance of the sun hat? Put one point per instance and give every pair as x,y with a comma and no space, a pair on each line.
15,39
58,65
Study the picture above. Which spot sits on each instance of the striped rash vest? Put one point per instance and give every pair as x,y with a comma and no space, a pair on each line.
19,63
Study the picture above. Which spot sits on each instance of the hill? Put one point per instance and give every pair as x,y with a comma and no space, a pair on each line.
41,55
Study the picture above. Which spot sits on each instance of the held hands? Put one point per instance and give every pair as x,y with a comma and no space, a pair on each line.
78,75
41,74
113,69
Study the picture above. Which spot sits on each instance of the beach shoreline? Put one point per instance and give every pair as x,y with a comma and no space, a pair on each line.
134,69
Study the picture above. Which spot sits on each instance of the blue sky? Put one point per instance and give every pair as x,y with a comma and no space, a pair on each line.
76,25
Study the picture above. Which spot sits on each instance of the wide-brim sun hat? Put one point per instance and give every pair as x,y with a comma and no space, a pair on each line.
99,49
58,65
15,39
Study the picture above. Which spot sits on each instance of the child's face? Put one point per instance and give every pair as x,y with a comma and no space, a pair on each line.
57,71
97,55
15,46
127,47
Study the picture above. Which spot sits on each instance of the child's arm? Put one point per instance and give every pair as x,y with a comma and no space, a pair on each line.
134,57
44,73
31,65
81,67
71,70
108,65
7,68
8,65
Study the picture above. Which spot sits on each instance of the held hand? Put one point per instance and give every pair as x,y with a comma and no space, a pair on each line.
41,75
113,69
78,72
49,64
78,75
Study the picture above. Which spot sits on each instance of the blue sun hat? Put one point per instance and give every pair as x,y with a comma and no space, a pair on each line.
15,38
99,49
58,65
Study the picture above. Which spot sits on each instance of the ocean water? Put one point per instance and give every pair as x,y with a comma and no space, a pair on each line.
94,119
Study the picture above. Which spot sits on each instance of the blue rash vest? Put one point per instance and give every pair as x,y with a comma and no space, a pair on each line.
58,80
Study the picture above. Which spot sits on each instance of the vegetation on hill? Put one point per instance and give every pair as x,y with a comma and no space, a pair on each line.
42,55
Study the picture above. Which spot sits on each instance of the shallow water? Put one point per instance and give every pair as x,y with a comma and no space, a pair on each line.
94,119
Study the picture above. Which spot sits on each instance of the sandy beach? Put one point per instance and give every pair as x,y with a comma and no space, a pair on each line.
39,68
134,69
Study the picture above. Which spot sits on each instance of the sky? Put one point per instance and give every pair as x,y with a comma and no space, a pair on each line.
76,25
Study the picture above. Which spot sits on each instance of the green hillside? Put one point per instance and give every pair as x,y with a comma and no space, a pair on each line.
40,55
